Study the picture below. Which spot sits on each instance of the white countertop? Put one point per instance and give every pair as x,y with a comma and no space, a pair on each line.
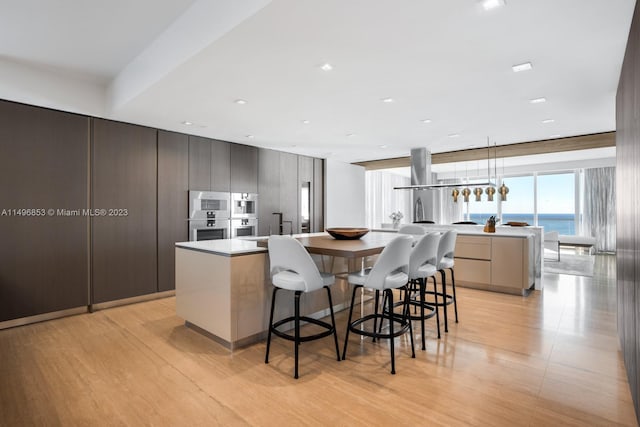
475,230
226,247
233,247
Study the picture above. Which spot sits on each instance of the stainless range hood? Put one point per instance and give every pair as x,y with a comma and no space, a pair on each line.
423,201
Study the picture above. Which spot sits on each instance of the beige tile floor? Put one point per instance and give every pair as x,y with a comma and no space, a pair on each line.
548,359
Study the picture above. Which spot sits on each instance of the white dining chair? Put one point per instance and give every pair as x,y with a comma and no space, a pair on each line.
388,273
446,261
293,269
423,265
413,229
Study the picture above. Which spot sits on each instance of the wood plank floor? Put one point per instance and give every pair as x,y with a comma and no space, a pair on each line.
545,360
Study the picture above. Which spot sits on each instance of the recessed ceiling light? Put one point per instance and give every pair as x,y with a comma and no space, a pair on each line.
426,121
538,100
492,4
326,67
548,121
349,135
187,123
387,100
383,146
555,136
522,67
453,135
306,122
240,101
249,136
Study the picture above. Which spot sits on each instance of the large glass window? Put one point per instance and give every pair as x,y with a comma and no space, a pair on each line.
556,202
520,203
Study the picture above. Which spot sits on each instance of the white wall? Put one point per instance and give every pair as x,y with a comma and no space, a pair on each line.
344,195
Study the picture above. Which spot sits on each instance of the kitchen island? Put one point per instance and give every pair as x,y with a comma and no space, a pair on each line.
223,287
469,234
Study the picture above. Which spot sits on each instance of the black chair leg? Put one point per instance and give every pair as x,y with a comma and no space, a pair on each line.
389,297
408,319
455,300
443,275
297,330
435,296
333,322
375,310
346,338
423,289
273,304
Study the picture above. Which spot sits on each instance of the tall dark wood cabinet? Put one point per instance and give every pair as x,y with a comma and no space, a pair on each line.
220,165
173,188
44,254
289,191
199,163
244,169
317,220
124,174
268,191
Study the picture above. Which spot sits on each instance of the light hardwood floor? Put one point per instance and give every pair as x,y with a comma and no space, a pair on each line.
551,358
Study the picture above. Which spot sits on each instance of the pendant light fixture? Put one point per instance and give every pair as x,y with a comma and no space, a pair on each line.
455,193
465,193
503,190
478,193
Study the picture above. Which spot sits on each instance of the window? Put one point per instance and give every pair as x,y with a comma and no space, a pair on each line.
520,203
556,202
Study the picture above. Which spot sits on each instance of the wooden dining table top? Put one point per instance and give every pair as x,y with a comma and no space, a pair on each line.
371,243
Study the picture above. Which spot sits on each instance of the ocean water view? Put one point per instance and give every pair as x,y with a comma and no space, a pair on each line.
562,223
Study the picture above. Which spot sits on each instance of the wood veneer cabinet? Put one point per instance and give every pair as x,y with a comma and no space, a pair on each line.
244,169
173,186
495,262
289,191
43,165
124,246
268,191
209,164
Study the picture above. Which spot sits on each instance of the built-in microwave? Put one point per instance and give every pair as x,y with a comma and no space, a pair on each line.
208,204
242,227
244,205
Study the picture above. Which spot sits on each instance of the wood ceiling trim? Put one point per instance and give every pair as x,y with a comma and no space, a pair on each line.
573,143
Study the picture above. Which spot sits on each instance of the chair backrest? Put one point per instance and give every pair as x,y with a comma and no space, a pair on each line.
393,258
287,253
414,229
424,252
447,247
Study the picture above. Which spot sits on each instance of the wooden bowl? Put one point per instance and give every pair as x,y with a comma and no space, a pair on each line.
517,224
347,233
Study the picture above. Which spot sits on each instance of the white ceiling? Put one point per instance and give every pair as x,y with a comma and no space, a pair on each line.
163,63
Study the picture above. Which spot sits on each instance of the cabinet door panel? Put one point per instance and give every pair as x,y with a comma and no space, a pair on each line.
507,255
43,165
199,163
220,160
289,191
173,186
244,169
268,191
124,175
